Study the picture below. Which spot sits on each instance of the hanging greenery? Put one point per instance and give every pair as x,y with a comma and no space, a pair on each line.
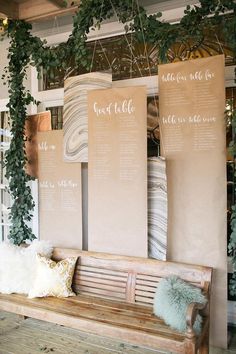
19,99
232,240
26,49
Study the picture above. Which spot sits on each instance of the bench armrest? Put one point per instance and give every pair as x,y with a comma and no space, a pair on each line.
193,310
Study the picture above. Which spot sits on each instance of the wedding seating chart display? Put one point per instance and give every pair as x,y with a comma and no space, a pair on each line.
157,208
35,123
75,114
192,104
117,171
60,214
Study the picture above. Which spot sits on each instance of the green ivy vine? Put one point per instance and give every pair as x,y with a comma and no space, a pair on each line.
26,49
232,240
19,99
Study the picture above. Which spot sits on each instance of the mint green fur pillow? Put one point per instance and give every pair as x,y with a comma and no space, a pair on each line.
173,295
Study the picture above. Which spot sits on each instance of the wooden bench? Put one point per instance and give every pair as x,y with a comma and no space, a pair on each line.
115,298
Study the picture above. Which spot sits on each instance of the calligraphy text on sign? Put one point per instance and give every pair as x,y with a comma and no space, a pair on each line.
63,184
197,118
179,77
125,106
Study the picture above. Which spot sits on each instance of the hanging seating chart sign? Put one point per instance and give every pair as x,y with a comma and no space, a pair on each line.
192,104
35,123
117,169
75,114
60,211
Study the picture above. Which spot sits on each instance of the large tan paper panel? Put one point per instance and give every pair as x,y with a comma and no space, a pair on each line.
35,123
60,215
192,101
117,211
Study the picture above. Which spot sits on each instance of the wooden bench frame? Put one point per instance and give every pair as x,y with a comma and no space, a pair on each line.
115,297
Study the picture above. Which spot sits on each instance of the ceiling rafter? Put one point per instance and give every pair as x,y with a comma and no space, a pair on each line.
35,10
59,3
9,8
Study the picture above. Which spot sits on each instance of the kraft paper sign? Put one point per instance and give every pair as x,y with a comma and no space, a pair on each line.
192,104
35,123
117,183
60,215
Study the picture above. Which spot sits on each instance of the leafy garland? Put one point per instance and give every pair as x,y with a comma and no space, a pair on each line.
26,50
232,240
19,99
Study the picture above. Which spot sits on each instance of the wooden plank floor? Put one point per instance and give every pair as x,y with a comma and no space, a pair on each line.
18,336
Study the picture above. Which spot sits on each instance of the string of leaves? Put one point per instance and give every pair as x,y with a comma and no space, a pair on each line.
26,49
232,239
19,99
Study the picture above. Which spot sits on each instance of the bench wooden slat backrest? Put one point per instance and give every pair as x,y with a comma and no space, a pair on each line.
130,279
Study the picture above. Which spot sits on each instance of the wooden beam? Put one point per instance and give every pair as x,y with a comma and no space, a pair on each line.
59,3
9,8
34,10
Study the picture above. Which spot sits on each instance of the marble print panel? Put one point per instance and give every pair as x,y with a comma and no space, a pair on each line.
157,208
75,116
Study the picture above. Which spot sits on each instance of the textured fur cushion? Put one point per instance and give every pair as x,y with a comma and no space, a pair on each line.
18,265
172,298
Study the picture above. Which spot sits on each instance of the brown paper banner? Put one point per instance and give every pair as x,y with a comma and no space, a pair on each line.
117,211
35,123
60,214
192,103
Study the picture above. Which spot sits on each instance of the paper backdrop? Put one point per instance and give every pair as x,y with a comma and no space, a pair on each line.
192,104
157,208
35,123
75,115
60,215
117,175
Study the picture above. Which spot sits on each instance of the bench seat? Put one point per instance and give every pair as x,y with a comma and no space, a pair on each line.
101,317
115,296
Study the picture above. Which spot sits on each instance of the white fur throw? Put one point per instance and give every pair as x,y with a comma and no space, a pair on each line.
173,295
18,265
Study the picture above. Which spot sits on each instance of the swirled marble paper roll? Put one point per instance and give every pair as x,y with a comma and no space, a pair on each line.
75,117
157,208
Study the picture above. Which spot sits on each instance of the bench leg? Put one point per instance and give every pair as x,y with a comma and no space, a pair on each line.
190,346
204,348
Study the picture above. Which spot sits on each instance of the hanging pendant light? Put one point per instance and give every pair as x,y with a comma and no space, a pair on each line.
5,21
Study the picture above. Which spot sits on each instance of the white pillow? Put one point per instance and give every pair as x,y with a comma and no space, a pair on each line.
18,265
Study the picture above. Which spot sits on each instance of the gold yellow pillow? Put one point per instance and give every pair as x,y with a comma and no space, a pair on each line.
53,278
